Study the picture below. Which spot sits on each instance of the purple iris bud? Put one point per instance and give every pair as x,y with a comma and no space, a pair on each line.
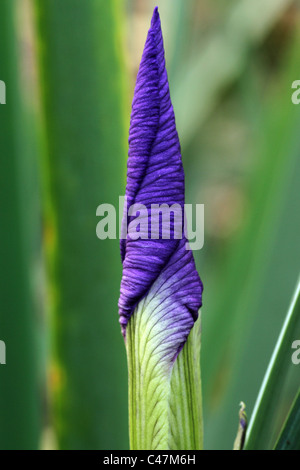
157,267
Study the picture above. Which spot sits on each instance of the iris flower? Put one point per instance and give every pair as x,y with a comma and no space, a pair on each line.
161,292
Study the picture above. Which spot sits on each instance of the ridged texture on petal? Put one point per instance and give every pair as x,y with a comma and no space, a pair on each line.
155,176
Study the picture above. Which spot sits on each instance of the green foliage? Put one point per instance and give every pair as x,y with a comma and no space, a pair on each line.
290,436
236,95
221,59
83,98
256,277
20,389
264,422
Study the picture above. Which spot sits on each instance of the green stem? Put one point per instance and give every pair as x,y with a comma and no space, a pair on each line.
165,401
186,422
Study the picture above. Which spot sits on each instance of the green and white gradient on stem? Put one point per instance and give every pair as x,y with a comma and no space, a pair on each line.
165,402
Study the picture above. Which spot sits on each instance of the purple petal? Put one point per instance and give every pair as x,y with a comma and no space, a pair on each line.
155,176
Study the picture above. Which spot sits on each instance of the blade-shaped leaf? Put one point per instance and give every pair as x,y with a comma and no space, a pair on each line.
20,390
271,393
290,436
82,73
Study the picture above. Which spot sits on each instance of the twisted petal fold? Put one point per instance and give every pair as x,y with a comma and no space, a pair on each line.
157,268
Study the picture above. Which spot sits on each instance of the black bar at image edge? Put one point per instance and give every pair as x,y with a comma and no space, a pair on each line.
129,459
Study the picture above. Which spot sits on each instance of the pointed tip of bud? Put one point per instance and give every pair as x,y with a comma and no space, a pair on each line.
155,18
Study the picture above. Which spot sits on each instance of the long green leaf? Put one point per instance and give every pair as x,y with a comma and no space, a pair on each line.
271,392
83,98
290,436
20,390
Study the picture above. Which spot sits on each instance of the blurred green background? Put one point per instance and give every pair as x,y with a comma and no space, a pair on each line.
70,69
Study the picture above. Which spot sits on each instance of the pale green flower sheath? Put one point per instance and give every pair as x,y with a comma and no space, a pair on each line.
161,292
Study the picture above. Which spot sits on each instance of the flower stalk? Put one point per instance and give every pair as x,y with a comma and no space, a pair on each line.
165,407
